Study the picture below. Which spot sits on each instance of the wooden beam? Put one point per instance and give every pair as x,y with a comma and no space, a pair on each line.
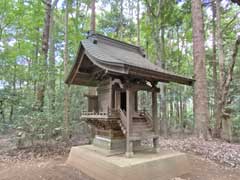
160,76
136,100
135,86
80,62
83,75
85,82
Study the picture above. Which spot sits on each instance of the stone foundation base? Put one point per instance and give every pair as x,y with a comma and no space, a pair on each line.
109,144
144,165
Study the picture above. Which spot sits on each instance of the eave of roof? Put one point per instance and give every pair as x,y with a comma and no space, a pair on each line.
109,60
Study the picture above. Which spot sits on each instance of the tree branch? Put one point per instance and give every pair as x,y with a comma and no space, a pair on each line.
149,7
228,80
230,22
236,1
54,4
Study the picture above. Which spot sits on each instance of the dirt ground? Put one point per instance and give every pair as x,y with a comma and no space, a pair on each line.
54,168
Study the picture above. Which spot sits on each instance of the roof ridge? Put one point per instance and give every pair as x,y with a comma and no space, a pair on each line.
97,35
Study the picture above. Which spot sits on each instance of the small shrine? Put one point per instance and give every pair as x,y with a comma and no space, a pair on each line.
118,70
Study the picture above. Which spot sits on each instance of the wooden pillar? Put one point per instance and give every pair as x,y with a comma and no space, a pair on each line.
136,101
110,96
155,121
130,109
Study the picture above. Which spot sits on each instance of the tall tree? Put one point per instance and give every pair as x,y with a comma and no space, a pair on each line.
221,68
48,22
93,16
44,56
138,22
200,86
223,122
92,90
66,87
214,59
156,13
52,72
121,20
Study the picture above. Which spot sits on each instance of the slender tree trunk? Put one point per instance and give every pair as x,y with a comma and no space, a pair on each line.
66,87
179,91
200,87
2,113
44,56
220,105
92,90
226,118
163,106
13,93
177,112
214,60
138,23
36,59
52,80
158,36
93,16
121,20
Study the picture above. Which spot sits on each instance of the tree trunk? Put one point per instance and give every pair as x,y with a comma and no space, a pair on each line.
163,106
92,90
200,87
36,59
138,23
2,115
156,29
214,60
221,57
66,87
52,63
121,20
226,133
44,55
93,16
13,93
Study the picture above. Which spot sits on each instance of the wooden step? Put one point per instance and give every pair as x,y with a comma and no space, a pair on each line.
142,136
139,119
141,124
142,130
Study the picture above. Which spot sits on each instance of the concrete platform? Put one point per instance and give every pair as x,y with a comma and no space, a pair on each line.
143,166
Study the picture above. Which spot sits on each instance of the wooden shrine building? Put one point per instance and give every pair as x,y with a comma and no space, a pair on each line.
119,70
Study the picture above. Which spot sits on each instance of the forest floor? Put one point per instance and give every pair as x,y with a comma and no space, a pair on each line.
29,164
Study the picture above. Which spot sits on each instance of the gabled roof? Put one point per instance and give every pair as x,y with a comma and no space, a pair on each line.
120,58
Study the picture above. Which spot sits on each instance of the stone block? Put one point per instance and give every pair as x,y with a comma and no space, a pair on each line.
144,165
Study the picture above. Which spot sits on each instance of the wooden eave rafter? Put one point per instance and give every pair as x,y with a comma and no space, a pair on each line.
159,76
76,65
